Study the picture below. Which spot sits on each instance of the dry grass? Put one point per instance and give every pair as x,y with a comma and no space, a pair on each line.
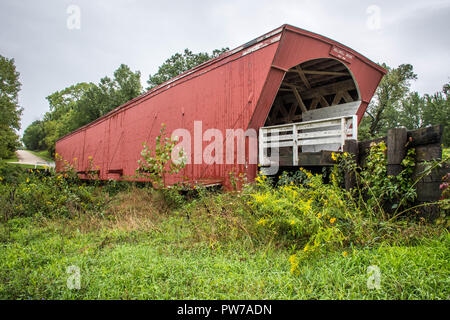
138,209
131,210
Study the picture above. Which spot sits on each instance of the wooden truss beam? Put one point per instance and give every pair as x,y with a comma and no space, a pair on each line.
328,89
322,73
303,76
299,98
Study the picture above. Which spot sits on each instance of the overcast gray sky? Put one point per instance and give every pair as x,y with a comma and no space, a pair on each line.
142,34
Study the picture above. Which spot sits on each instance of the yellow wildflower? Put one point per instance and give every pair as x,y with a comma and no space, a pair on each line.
28,180
345,253
262,221
292,222
332,220
319,215
294,263
333,156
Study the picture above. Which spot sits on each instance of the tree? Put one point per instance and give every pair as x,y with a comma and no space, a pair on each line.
437,111
10,111
34,135
385,106
77,105
61,102
179,63
411,115
59,120
107,95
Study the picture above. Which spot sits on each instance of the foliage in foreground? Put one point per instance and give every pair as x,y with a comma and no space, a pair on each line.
302,238
10,111
209,247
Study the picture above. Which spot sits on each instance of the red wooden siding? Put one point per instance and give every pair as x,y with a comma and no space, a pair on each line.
235,90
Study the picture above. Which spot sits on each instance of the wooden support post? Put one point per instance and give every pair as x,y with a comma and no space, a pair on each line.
295,146
343,132
351,146
261,147
355,127
396,150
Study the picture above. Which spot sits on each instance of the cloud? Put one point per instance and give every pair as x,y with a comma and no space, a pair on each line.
142,34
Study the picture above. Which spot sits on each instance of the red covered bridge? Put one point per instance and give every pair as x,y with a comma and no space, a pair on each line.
295,89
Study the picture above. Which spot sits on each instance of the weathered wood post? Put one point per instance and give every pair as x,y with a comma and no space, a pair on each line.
396,150
351,146
427,142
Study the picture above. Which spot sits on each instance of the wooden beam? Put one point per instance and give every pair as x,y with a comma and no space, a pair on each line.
299,99
314,103
324,102
292,111
328,89
337,98
290,85
326,73
303,76
347,97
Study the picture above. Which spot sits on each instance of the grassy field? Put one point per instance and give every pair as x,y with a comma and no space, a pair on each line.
13,159
301,236
28,166
140,248
43,155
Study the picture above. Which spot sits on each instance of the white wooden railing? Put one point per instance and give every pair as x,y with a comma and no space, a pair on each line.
326,134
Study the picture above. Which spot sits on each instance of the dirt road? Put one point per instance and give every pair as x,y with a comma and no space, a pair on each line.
26,157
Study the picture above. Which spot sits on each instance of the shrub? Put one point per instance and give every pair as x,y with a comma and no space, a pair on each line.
379,192
315,215
156,164
48,195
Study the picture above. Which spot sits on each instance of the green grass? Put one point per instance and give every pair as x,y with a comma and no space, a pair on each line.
12,159
44,154
166,263
27,166
132,242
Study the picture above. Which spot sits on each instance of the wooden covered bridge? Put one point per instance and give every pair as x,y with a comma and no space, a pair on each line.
300,91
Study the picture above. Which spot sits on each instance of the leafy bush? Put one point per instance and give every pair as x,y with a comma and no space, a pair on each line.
156,164
316,216
48,195
379,192
10,173
313,214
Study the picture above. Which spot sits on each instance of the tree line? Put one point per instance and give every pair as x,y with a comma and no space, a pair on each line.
393,105
10,111
82,103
